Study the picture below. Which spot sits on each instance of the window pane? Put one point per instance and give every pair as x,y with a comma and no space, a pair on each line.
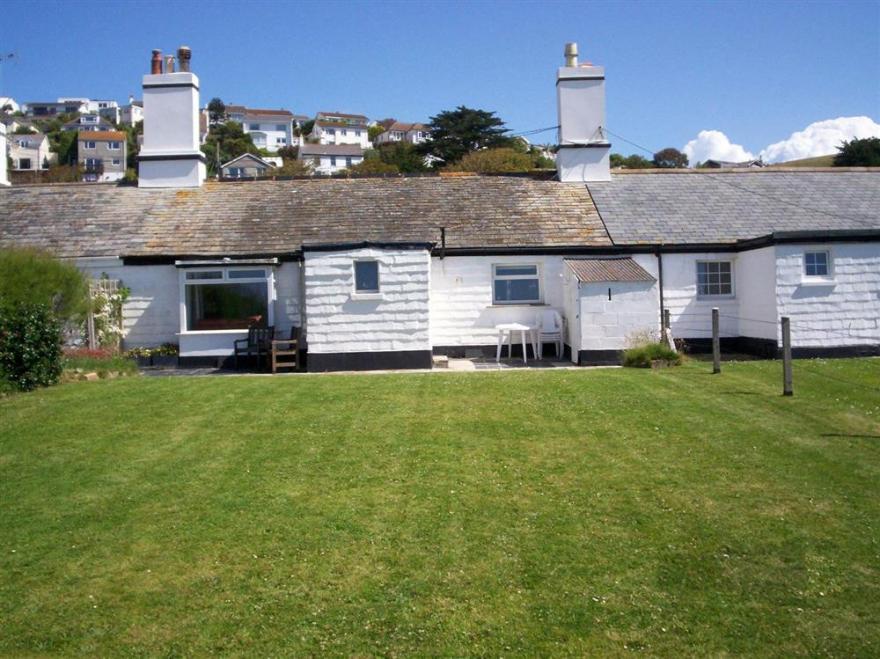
213,274
225,306
516,290
246,274
526,270
366,276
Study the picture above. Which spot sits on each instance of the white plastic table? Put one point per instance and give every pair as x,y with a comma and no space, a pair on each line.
510,328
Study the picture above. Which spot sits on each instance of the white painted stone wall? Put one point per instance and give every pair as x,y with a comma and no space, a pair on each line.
339,320
462,313
690,314
288,297
632,312
755,278
151,315
843,312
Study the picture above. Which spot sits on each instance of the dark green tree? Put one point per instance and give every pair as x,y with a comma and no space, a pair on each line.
455,133
634,161
859,153
216,111
670,158
225,142
406,157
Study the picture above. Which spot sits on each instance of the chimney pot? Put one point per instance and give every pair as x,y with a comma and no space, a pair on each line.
571,54
184,55
156,63
169,63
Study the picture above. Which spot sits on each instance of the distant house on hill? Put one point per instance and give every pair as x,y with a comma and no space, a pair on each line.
92,122
331,158
245,166
341,128
725,164
414,133
29,152
269,129
102,154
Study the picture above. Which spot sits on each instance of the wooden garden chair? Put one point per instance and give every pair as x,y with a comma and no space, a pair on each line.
288,350
257,344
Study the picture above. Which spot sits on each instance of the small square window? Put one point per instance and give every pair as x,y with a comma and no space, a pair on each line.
280,127
366,276
115,146
516,284
333,161
714,278
90,145
816,264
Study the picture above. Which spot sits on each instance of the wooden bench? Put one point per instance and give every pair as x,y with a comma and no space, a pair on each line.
288,350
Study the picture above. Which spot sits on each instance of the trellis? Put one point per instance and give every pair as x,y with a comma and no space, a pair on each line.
104,288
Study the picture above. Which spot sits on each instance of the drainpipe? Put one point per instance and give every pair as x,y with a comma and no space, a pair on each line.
659,256
442,243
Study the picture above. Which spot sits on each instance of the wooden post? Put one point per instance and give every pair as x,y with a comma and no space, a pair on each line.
90,320
716,342
786,357
666,320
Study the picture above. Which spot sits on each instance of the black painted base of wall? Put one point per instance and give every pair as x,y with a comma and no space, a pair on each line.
744,345
489,352
836,352
369,361
600,357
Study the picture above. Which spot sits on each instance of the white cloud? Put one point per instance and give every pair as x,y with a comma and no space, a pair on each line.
821,138
715,145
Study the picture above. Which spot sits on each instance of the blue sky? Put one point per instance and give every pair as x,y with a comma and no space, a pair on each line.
756,71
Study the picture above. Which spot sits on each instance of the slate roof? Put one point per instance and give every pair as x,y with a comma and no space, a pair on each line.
620,268
723,207
331,150
278,217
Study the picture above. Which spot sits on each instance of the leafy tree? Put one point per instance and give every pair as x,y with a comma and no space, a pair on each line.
406,157
63,144
225,142
32,275
291,167
30,345
373,166
374,131
305,128
634,161
455,133
494,161
216,111
288,152
859,153
23,130
131,143
670,158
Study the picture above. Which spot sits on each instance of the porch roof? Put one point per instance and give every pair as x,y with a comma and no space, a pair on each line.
607,269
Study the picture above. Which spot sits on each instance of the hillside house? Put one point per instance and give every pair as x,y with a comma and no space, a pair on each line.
30,152
246,165
386,272
132,113
269,129
102,154
91,122
330,158
341,128
414,133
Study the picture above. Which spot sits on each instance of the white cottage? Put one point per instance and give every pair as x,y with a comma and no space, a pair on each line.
386,272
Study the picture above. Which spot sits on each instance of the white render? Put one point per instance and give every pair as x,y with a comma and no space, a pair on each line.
150,316
326,165
31,150
171,130
462,309
584,153
341,321
4,175
690,314
755,282
842,310
341,134
632,312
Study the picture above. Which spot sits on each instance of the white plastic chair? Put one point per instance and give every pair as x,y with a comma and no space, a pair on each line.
549,324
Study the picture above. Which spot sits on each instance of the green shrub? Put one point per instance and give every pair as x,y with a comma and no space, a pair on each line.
29,275
30,345
642,356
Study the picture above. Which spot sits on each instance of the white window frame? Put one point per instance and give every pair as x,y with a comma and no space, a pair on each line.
818,279
269,279
89,145
538,275
371,294
114,148
715,296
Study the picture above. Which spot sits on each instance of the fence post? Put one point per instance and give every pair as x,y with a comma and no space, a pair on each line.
786,357
716,342
90,320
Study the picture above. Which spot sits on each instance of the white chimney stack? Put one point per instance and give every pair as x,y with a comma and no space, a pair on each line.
170,156
4,177
584,151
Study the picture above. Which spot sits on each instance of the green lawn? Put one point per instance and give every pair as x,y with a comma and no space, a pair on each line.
516,513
